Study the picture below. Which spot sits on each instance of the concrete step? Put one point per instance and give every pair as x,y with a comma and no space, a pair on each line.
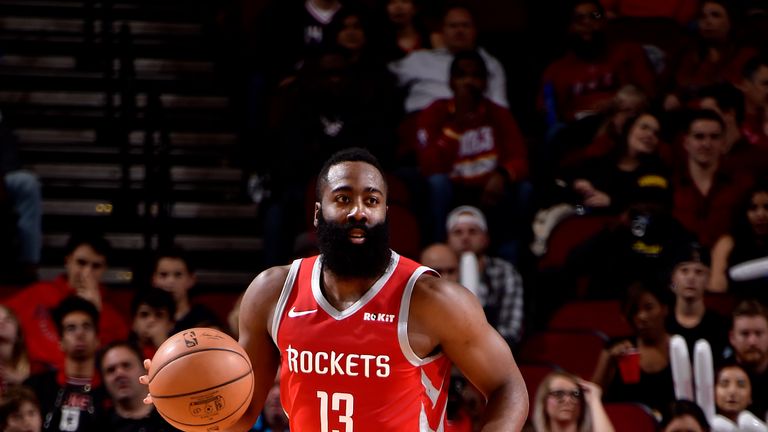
98,99
75,26
179,210
137,173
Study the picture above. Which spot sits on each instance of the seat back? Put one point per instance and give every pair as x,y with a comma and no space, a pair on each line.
575,351
604,316
631,417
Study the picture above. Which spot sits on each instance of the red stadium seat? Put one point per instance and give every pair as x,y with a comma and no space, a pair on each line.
534,374
568,234
631,417
604,316
576,352
404,234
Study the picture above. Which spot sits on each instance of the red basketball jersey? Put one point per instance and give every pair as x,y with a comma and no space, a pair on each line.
354,370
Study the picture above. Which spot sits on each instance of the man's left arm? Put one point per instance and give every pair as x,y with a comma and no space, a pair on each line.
452,317
510,322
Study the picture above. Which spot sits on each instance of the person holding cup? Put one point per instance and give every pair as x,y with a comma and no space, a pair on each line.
638,369
564,402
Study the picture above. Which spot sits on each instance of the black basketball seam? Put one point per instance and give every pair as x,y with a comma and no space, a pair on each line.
219,420
204,390
194,352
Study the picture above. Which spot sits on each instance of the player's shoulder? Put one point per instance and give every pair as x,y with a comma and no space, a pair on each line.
432,292
267,286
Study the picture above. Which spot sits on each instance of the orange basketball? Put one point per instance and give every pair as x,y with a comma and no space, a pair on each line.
201,380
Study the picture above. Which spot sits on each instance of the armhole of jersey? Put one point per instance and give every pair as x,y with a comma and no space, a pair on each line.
402,323
287,288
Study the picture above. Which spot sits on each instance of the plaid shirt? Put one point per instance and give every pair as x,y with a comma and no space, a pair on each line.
501,294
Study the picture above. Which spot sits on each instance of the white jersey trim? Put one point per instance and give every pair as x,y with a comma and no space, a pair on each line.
290,281
402,323
317,273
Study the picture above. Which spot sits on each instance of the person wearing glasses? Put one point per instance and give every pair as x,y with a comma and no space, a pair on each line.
85,263
564,402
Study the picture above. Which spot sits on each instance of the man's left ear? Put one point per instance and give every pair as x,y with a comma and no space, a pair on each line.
317,209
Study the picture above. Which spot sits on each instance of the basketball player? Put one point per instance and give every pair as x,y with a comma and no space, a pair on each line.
365,338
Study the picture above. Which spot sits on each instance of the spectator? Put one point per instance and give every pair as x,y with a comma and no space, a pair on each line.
585,80
152,311
749,339
607,182
706,195
442,259
403,30
739,153
691,318
24,195
426,72
472,151
565,402
754,85
20,411
121,365
714,57
72,398
684,416
733,392
85,262
747,240
646,310
175,273
501,287
14,361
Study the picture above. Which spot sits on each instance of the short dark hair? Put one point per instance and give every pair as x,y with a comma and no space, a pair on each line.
749,308
695,115
595,3
133,347
71,304
93,239
727,97
472,55
155,298
351,154
455,4
12,399
682,407
174,252
753,65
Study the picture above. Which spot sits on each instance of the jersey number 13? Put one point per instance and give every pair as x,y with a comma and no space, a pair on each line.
336,399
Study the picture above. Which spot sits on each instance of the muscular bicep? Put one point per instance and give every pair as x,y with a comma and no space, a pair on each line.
255,320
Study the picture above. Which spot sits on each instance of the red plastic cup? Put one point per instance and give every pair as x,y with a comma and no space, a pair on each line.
629,366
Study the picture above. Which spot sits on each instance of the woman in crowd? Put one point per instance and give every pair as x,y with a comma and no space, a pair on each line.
748,240
646,309
607,182
14,363
402,31
733,391
566,403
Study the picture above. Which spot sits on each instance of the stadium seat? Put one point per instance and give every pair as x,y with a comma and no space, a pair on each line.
604,316
631,417
568,234
534,374
575,351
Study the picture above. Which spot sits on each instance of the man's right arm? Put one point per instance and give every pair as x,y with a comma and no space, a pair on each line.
256,313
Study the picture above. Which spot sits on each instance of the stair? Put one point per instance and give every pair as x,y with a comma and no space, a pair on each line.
105,162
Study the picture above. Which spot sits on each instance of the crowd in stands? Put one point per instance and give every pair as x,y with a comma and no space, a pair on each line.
662,142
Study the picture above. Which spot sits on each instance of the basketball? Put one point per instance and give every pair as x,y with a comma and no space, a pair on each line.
201,380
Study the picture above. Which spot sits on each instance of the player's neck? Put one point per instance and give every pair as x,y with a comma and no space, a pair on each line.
342,292
79,368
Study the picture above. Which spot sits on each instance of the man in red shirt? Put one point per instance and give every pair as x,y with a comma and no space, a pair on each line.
85,263
705,195
471,150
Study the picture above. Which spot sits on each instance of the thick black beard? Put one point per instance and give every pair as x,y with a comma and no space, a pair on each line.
346,259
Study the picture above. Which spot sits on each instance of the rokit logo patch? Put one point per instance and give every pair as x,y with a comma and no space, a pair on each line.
379,317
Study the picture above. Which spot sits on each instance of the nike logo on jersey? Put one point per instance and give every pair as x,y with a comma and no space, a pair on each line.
293,313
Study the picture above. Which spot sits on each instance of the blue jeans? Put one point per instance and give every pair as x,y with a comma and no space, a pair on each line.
25,193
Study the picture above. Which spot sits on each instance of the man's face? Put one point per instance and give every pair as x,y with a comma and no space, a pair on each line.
443,260
351,220
756,88
121,370
467,237
79,340
172,275
749,339
82,264
26,419
468,79
704,142
459,33
586,21
689,280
